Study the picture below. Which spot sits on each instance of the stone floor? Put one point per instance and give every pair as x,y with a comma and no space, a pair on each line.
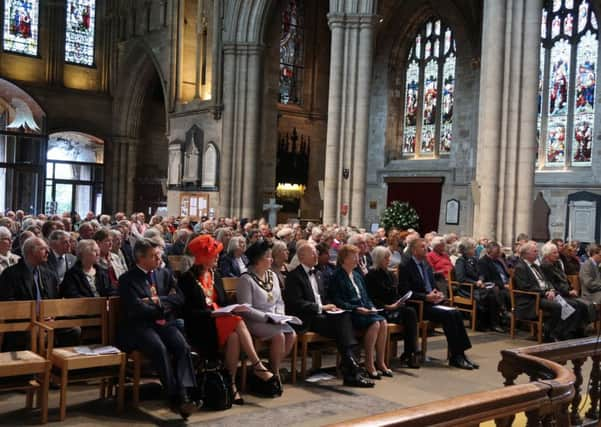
304,404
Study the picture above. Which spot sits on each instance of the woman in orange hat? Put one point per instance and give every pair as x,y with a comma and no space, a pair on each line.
203,291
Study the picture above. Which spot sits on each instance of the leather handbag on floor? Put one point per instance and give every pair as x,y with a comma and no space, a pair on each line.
215,387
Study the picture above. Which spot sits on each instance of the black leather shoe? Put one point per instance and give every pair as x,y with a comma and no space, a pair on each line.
460,362
357,380
410,360
375,376
471,362
186,406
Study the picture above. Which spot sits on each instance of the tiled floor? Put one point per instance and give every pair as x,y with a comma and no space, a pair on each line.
303,404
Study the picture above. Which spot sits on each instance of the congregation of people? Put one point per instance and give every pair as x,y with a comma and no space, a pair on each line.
341,282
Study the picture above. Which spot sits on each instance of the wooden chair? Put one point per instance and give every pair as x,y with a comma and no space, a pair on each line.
462,303
229,286
307,339
72,366
18,367
538,322
574,280
422,326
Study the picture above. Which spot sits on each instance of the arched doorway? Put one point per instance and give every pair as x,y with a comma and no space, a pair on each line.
23,142
74,173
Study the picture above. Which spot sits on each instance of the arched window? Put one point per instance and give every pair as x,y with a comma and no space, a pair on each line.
292,52
79,36
429,92
21,20
567,77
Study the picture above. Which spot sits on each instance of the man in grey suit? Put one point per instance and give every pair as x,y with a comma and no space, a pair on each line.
590,275
60,259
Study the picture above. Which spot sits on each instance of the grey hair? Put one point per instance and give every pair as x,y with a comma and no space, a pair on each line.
278,246
355,238
84,246
438,240
143,245
5,232
527,247
548,248
30,244
235,243
378,254
465,245
57,235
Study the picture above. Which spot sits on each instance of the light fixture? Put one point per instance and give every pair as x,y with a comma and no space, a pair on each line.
290,191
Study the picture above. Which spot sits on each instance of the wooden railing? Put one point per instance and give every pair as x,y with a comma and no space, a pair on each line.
552,397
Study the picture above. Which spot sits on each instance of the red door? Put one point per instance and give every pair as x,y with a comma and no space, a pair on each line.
424,196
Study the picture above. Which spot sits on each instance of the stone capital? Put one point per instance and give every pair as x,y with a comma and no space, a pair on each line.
354,20
243,48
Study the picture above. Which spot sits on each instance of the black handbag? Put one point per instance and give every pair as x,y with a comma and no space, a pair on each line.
215,387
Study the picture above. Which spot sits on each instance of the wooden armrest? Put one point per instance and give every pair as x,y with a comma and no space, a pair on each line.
48,343
420,308
534,294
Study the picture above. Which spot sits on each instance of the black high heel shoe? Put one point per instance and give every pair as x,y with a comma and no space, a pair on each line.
236,398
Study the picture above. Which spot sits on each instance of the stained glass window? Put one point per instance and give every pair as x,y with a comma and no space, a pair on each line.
567,82
79,37
292,50
429,92
21,26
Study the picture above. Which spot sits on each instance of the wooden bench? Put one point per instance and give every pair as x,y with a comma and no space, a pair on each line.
18,367
72,366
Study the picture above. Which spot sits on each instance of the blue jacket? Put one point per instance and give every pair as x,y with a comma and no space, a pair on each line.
342,292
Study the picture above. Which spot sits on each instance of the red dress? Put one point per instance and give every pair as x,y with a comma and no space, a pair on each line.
225,325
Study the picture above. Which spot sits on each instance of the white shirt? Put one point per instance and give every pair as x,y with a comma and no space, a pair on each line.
539,278
315,287
241,265
355,285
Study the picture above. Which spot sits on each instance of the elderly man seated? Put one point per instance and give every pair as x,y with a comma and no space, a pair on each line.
590,275
554,273
528,276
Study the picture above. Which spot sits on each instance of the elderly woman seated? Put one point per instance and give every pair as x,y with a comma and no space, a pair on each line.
487,298
234,262
86,278
7,258
108,261
347,291
383,289
260,288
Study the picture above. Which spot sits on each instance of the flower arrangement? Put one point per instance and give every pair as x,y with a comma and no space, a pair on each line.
400,215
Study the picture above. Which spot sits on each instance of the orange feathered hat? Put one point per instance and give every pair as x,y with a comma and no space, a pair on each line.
204,248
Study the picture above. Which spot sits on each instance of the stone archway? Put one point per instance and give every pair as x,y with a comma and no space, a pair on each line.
138,75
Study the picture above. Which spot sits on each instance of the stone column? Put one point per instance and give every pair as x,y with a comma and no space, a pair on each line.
123,172
56,47
241,130
333,173
507,119
348,112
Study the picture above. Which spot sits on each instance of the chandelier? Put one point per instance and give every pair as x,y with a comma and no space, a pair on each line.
290,191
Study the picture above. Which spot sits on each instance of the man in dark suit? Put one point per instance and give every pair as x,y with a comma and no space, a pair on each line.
556,276
149,301
491,269
303,298
126,249
416,274
60,259
30,280
528,276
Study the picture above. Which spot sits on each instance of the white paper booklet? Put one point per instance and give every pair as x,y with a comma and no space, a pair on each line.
96,350
229,308
282,318
404,297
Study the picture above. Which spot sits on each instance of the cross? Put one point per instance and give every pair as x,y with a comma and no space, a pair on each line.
273,209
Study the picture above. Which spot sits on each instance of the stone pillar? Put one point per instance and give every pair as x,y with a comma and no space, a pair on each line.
507,119
55,39
123,172
241,130
348,112
332,167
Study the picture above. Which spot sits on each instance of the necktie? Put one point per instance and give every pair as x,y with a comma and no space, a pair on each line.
425,276
37,289
153,292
